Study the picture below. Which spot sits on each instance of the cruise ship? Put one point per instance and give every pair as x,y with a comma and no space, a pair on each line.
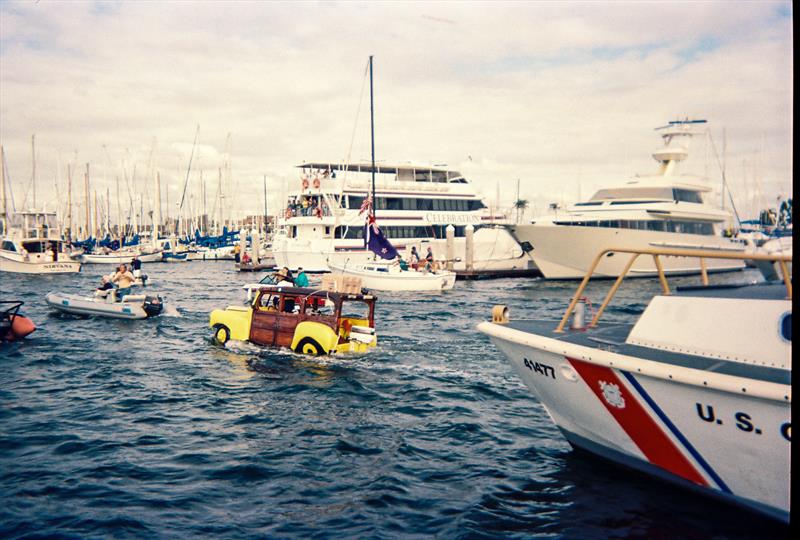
665,210
414,205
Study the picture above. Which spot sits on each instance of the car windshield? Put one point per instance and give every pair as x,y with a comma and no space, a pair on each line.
355,309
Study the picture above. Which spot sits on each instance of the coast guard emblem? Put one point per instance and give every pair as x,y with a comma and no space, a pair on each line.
612,395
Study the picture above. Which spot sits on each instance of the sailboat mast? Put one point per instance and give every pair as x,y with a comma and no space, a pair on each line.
69,202
108,210
88,202
372,135
96,223
33,169
157,221
3,177
265,204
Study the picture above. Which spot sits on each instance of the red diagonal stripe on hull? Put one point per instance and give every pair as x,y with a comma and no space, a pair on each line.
638,424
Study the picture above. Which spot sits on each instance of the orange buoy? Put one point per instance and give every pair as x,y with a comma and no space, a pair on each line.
316,182
21,327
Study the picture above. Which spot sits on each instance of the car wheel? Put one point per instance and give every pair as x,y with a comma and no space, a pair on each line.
310,346
222,334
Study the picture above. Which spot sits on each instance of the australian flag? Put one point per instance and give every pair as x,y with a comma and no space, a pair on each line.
376,242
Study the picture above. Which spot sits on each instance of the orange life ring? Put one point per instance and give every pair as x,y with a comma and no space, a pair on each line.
316,182
288,213
305,183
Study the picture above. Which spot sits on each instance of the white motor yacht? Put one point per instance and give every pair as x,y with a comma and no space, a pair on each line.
415,204
31,245
697,391
663,210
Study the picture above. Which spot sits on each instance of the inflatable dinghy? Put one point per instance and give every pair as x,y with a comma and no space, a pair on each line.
105,304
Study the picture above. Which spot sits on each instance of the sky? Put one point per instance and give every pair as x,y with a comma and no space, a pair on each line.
558,97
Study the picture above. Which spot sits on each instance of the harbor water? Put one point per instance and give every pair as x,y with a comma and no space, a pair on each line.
147,429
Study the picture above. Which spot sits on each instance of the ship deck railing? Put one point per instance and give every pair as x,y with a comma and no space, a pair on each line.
703,254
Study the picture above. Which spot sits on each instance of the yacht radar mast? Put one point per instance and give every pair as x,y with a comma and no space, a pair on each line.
673,151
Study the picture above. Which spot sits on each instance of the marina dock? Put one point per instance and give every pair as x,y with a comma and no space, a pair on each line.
497,274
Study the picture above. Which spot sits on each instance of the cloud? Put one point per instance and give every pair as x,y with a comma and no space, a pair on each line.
562,95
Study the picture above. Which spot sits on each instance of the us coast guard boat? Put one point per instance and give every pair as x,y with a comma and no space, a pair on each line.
697,391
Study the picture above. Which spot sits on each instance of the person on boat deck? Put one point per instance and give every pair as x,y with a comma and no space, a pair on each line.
414,258
430,262
305,206
236,250
301,279
136,266
54,251
246,258
105,284
283,275
124,279
401,263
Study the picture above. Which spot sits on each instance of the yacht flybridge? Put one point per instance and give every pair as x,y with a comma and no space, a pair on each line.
665,210
414,204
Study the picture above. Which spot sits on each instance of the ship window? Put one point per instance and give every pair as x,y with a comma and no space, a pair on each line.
9,245
687,195
629,202
355,201
786,327
34,247
589,203
476,205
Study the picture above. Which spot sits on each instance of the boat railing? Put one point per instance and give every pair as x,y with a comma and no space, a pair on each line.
702,254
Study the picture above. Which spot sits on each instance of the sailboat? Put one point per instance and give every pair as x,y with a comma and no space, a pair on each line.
384,275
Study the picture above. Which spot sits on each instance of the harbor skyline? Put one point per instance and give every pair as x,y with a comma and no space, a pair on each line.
560,96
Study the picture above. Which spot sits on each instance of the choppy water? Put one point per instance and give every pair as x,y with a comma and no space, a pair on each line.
131,429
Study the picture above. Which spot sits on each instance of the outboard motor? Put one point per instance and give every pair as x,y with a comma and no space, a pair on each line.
153,305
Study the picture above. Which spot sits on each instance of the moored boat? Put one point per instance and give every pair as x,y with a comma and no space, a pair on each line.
387,276
696,392
170,257
105,304
121,257
30,245
664,210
